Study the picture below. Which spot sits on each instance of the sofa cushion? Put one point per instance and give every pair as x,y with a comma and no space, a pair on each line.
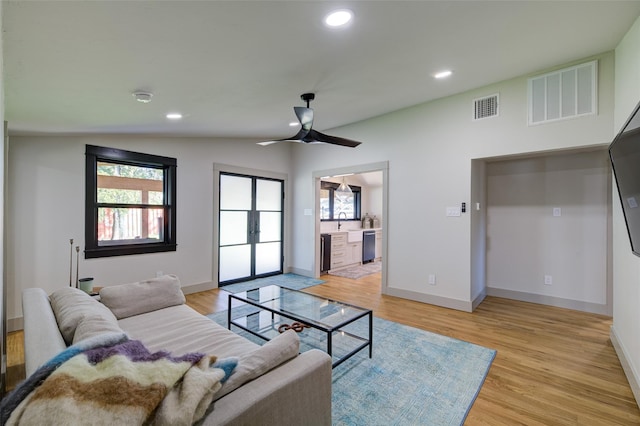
267,357
71,305
180,329
93,325
126,300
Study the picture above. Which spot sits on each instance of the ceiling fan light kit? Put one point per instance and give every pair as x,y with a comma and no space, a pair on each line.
306,133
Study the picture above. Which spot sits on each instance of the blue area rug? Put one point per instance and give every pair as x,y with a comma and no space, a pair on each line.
414,378
291,281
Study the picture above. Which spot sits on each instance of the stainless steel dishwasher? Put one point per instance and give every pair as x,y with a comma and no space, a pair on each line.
368,246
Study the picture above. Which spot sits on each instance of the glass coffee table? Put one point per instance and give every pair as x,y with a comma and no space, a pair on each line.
340,329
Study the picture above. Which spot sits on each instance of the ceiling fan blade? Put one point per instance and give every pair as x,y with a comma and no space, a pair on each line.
307,134
298,137
315,136
266,143
305,117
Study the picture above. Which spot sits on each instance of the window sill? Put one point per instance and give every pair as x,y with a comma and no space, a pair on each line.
127,249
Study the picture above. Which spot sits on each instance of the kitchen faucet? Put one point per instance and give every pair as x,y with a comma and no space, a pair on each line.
345,216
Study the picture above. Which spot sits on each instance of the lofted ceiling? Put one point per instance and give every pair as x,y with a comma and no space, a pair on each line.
237,68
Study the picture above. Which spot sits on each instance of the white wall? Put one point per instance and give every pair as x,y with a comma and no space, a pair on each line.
429,148
46,209
3,349
526,242
478,213
625,331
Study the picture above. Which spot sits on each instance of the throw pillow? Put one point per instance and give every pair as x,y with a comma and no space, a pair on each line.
127,300
94,325
70,305
267,357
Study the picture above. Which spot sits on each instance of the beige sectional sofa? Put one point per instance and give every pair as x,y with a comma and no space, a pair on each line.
271,385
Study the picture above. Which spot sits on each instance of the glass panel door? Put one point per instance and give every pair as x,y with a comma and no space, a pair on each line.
251,219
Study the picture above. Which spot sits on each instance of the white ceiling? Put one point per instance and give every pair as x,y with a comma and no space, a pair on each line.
236,68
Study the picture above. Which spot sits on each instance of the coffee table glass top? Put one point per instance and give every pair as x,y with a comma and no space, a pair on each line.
311,308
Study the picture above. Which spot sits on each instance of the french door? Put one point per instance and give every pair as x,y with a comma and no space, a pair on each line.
250,227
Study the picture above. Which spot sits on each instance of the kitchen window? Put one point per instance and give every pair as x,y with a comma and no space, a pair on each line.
331,206
130,203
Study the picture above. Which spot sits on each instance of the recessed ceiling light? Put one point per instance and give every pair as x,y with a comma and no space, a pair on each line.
443,74
174,116
338,18
143,97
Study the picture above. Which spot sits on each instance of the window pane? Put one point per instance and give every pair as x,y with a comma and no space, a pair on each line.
268,195
268,257
344,205
235,262
325,212
235,193
119,196
123,184
137,225
270,224
233,228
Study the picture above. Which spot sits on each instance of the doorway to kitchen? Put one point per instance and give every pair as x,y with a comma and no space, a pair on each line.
250,227
344,240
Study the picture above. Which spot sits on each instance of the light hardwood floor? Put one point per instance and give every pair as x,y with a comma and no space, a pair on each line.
554,366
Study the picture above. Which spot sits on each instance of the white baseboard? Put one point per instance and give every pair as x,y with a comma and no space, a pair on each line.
194,288
478,300
558,302
445,302
627,366
15,324
303,272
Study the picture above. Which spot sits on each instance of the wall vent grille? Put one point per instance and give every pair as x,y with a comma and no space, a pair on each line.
485,107
563,94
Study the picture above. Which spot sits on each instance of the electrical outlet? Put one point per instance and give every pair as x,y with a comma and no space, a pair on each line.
557,211
431,279
548,280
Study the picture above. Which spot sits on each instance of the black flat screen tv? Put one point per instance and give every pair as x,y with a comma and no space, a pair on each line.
624,152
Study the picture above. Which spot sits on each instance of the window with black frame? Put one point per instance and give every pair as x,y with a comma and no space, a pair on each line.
130,203
332,205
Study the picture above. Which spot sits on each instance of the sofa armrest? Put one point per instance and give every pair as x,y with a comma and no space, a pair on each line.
297,392
42,338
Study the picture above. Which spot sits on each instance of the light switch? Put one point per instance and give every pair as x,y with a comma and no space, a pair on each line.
453,211
308,212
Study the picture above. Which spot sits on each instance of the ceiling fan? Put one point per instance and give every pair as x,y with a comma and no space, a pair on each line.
306,133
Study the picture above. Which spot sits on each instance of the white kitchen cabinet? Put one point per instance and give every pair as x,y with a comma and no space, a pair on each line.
354,253
338,250
344,252
378,244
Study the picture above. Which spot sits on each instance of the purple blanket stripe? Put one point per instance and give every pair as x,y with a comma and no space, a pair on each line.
135,351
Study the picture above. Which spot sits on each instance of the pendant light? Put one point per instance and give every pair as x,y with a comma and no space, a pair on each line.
343,192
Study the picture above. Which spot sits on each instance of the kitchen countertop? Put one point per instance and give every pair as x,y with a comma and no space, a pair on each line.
352,230
353,235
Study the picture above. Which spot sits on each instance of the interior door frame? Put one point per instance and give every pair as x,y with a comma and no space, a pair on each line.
219,168
383,167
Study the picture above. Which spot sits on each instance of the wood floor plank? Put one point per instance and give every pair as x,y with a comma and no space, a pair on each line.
554,366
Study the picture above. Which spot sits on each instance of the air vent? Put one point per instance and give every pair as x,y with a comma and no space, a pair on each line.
485,107
563,94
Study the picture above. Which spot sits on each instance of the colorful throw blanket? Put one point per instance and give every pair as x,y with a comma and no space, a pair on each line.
112,380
